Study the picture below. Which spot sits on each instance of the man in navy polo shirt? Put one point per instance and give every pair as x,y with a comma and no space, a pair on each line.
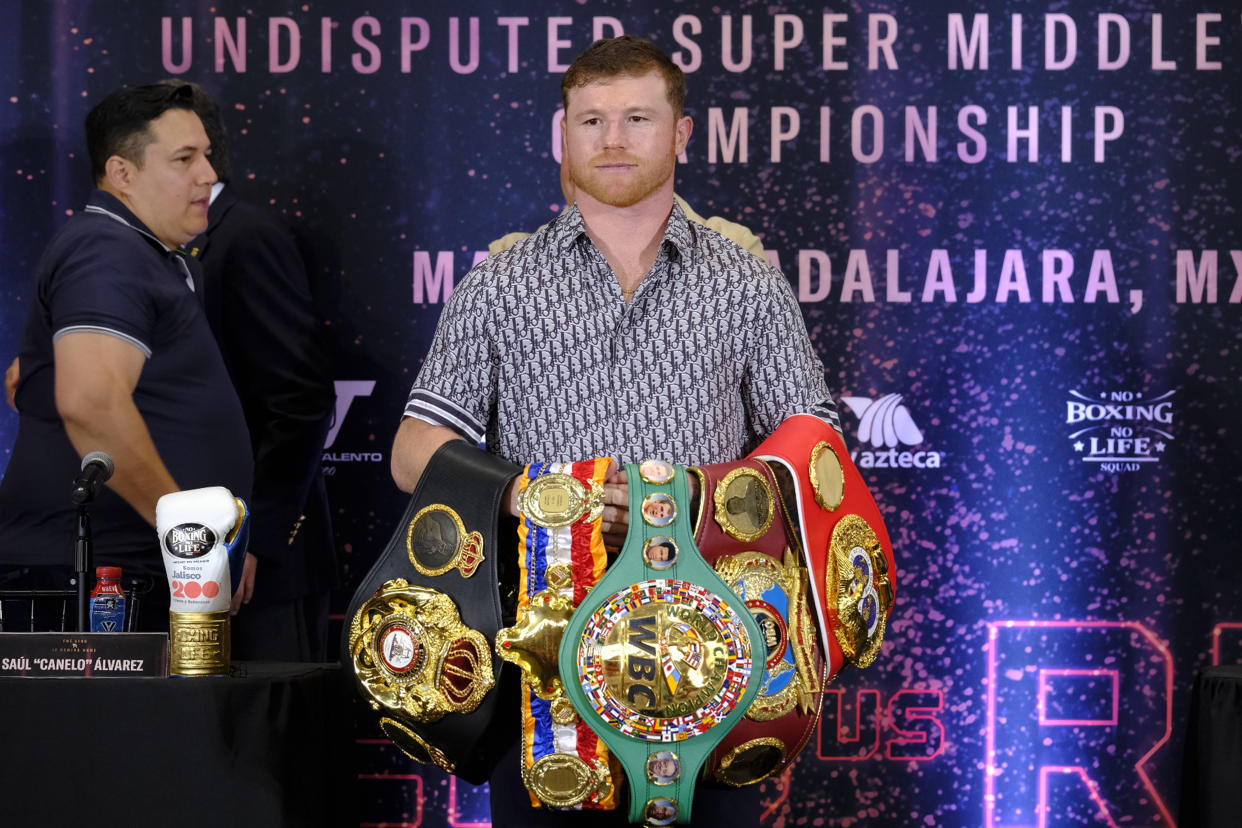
117,355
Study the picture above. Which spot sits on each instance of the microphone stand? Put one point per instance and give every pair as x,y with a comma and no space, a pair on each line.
96,468
82,555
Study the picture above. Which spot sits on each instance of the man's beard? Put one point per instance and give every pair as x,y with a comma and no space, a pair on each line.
627,189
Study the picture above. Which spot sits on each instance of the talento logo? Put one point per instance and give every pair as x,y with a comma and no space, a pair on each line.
885,424
346,392
1120,430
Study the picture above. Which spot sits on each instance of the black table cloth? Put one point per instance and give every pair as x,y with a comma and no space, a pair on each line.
271,745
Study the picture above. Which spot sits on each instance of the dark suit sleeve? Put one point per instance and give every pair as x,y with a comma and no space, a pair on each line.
272,341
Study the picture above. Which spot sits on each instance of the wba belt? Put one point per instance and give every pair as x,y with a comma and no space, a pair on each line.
662,658
421,623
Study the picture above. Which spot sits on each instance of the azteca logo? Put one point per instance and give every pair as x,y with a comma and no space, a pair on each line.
887,427
1120,430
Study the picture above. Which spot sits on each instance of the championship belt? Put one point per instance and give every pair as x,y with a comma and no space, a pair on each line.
561,557
848,552
418,640
744,531
659,657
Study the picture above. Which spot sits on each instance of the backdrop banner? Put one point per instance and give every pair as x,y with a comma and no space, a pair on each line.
1013,229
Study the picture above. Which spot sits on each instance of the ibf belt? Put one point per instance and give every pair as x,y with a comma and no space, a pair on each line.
418,637
744,532
659,659
561,557
848,551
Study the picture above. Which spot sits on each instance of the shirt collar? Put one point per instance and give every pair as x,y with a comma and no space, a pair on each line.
569,228
105,203
679,234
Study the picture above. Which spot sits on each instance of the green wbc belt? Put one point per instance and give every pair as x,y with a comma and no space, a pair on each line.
658,659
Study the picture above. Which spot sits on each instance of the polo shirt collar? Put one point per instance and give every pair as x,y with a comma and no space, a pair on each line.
105,203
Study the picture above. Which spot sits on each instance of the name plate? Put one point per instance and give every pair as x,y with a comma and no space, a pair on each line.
84,655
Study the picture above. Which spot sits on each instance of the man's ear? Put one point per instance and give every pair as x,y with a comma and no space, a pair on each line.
684,127
119,173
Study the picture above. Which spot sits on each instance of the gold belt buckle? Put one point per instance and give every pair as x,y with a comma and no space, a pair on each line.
556,500
413,655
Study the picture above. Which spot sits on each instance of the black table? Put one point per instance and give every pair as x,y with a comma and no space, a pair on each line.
1212,773
271,745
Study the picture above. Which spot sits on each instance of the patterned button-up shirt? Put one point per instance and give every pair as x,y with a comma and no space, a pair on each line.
538,356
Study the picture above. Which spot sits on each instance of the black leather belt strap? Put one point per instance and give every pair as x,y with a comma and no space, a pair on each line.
447,544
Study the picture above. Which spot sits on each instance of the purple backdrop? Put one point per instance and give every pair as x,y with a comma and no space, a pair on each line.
1016,242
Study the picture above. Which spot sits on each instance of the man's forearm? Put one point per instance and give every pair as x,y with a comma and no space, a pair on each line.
413,447
416,442
118,429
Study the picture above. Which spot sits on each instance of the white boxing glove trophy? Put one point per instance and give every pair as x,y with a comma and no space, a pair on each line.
203,535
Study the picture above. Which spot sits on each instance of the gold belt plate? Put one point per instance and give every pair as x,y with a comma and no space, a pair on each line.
557,499
413,655
745,504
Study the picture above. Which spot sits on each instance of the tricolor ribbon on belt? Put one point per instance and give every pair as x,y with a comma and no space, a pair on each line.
561,557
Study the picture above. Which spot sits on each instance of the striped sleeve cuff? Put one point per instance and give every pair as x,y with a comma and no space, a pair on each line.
432,408
72,329
827,410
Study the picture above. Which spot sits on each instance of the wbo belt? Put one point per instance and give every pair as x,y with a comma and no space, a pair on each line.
420,625
661,659
853,575
744,530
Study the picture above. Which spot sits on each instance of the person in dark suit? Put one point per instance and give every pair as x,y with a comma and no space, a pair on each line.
258,301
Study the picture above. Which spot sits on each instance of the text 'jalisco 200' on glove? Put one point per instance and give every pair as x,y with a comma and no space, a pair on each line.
203,535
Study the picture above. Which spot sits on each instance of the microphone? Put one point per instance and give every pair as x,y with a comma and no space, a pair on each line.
97,467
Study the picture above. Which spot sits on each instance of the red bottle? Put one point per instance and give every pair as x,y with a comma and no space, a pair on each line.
108,601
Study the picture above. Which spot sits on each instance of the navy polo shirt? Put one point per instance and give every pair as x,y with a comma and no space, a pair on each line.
104,272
